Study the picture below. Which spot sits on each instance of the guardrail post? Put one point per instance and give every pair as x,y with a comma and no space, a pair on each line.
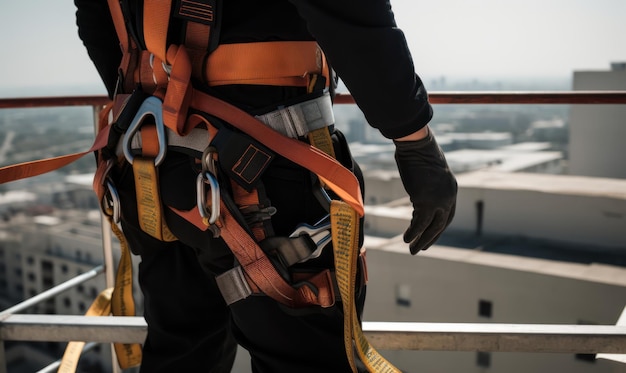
107,244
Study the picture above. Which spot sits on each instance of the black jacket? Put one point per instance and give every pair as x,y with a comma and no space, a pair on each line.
360,39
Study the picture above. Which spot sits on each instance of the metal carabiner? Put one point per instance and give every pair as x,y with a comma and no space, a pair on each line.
150,106
207,178
111,202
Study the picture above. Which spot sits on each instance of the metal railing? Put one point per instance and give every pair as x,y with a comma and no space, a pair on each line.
555,338
588,339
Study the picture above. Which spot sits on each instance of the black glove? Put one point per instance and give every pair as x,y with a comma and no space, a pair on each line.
431,187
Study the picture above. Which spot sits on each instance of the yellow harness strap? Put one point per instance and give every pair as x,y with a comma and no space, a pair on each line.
123,303
149,207
345,225
100,307
118,301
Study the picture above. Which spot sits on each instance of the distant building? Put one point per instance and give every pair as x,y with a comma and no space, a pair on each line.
383,184
505,159
597,132
452,285
522,248
44,247
574,210
477,140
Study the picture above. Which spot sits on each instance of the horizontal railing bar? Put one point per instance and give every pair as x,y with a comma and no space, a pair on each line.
517,97
54,291
554,338
51,101
442,97
65,328
587,339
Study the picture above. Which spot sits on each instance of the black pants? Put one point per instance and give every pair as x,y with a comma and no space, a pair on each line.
189,326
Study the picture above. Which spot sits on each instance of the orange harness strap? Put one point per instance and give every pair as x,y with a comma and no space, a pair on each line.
281,63
156,16
334,175
42,166
259,269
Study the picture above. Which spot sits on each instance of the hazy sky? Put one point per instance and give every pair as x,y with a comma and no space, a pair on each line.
453,38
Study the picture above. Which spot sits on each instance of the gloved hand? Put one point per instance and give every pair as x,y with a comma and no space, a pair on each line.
431,187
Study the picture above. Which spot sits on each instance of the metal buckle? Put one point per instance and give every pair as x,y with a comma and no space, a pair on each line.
319,233
150,106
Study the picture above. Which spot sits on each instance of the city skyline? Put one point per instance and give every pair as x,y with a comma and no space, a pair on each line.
453,38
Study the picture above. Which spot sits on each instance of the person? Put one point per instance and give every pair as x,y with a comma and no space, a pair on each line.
190,325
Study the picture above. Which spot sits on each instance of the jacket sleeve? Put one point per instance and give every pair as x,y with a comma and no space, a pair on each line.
371,56
96,30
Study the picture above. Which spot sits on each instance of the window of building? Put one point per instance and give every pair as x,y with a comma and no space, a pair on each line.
67,302
30,260
31,276
483,359
403,295
485,308
589,358
46,265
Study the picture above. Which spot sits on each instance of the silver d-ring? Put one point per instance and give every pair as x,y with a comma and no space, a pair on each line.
154,107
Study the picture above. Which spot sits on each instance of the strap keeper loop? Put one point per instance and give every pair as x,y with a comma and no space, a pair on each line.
233,285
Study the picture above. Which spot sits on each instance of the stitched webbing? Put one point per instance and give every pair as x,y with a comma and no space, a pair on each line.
338,178
156,16
345,227
260,270
100,307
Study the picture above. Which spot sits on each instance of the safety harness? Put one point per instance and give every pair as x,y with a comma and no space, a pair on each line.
157,108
